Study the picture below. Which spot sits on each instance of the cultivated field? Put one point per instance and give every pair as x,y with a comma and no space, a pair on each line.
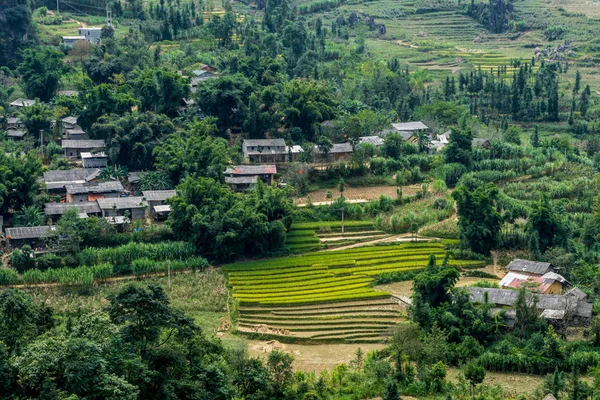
325,297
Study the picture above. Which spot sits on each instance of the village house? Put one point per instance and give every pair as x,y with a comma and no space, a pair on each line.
92,35
15,134
259,151
27,235
527,267
549,283
408,130
572,307
376,141
14,123
74,148
69,41
266,173
56,180
481,142
21,102
241,183
82,192
94,160
338,152
294,152
84,209
156,200
135,207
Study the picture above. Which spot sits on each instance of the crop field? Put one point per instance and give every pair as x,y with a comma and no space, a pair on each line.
309,236
326,296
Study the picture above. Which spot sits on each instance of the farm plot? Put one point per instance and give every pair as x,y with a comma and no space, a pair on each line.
325,296
308,236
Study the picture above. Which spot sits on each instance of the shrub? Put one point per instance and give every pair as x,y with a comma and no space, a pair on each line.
22,258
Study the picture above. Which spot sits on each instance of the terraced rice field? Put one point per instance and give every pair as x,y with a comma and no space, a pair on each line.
309,236
325,296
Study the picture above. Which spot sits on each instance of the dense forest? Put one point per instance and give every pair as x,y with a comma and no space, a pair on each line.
508,168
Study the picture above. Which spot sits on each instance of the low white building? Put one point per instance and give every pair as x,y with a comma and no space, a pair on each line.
94,160
69,41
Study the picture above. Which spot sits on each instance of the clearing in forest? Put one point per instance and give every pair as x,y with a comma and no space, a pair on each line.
326,297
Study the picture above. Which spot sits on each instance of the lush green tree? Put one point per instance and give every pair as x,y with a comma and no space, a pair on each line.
459,147
15,31
280,368
144,314
194,152
28,216
253,380
475,374
224,98
434,283
324,145
160,90
36,118
19,183
513,135
307,103
154,180
103,100
40,72
547,223
392,146
478,217
21,320
130,139
223,224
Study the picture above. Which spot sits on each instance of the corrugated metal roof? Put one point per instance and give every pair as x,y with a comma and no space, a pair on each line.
89,207
241,180
264,142
21,102
15,133
337,148
28,232
508,297
82,144
410,126
531,267
121,203
158,195
100,187
162,208
251,169
70,120
93,155
374,140
515,280
70,175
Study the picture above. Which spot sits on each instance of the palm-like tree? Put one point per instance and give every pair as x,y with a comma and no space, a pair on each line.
113,172
423,140
29,216
154,180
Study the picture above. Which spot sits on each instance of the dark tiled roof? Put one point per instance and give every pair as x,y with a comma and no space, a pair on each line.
121,203
90,207
531,267
251,169
264,142
82,144
101,187
70,175
28,232
158,195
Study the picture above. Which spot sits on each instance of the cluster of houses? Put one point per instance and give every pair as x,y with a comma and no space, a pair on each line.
275,151
90,35
108,200
556,300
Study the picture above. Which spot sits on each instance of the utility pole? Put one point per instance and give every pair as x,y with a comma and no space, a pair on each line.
108,15
42,140
57,10
169,274
342,219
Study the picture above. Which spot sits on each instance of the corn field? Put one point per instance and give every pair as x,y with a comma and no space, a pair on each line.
126,254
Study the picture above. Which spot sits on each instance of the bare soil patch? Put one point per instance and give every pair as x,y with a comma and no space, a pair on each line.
311,357
358,193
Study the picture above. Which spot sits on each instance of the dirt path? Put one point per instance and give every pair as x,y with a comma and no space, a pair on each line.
405,237
358,193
